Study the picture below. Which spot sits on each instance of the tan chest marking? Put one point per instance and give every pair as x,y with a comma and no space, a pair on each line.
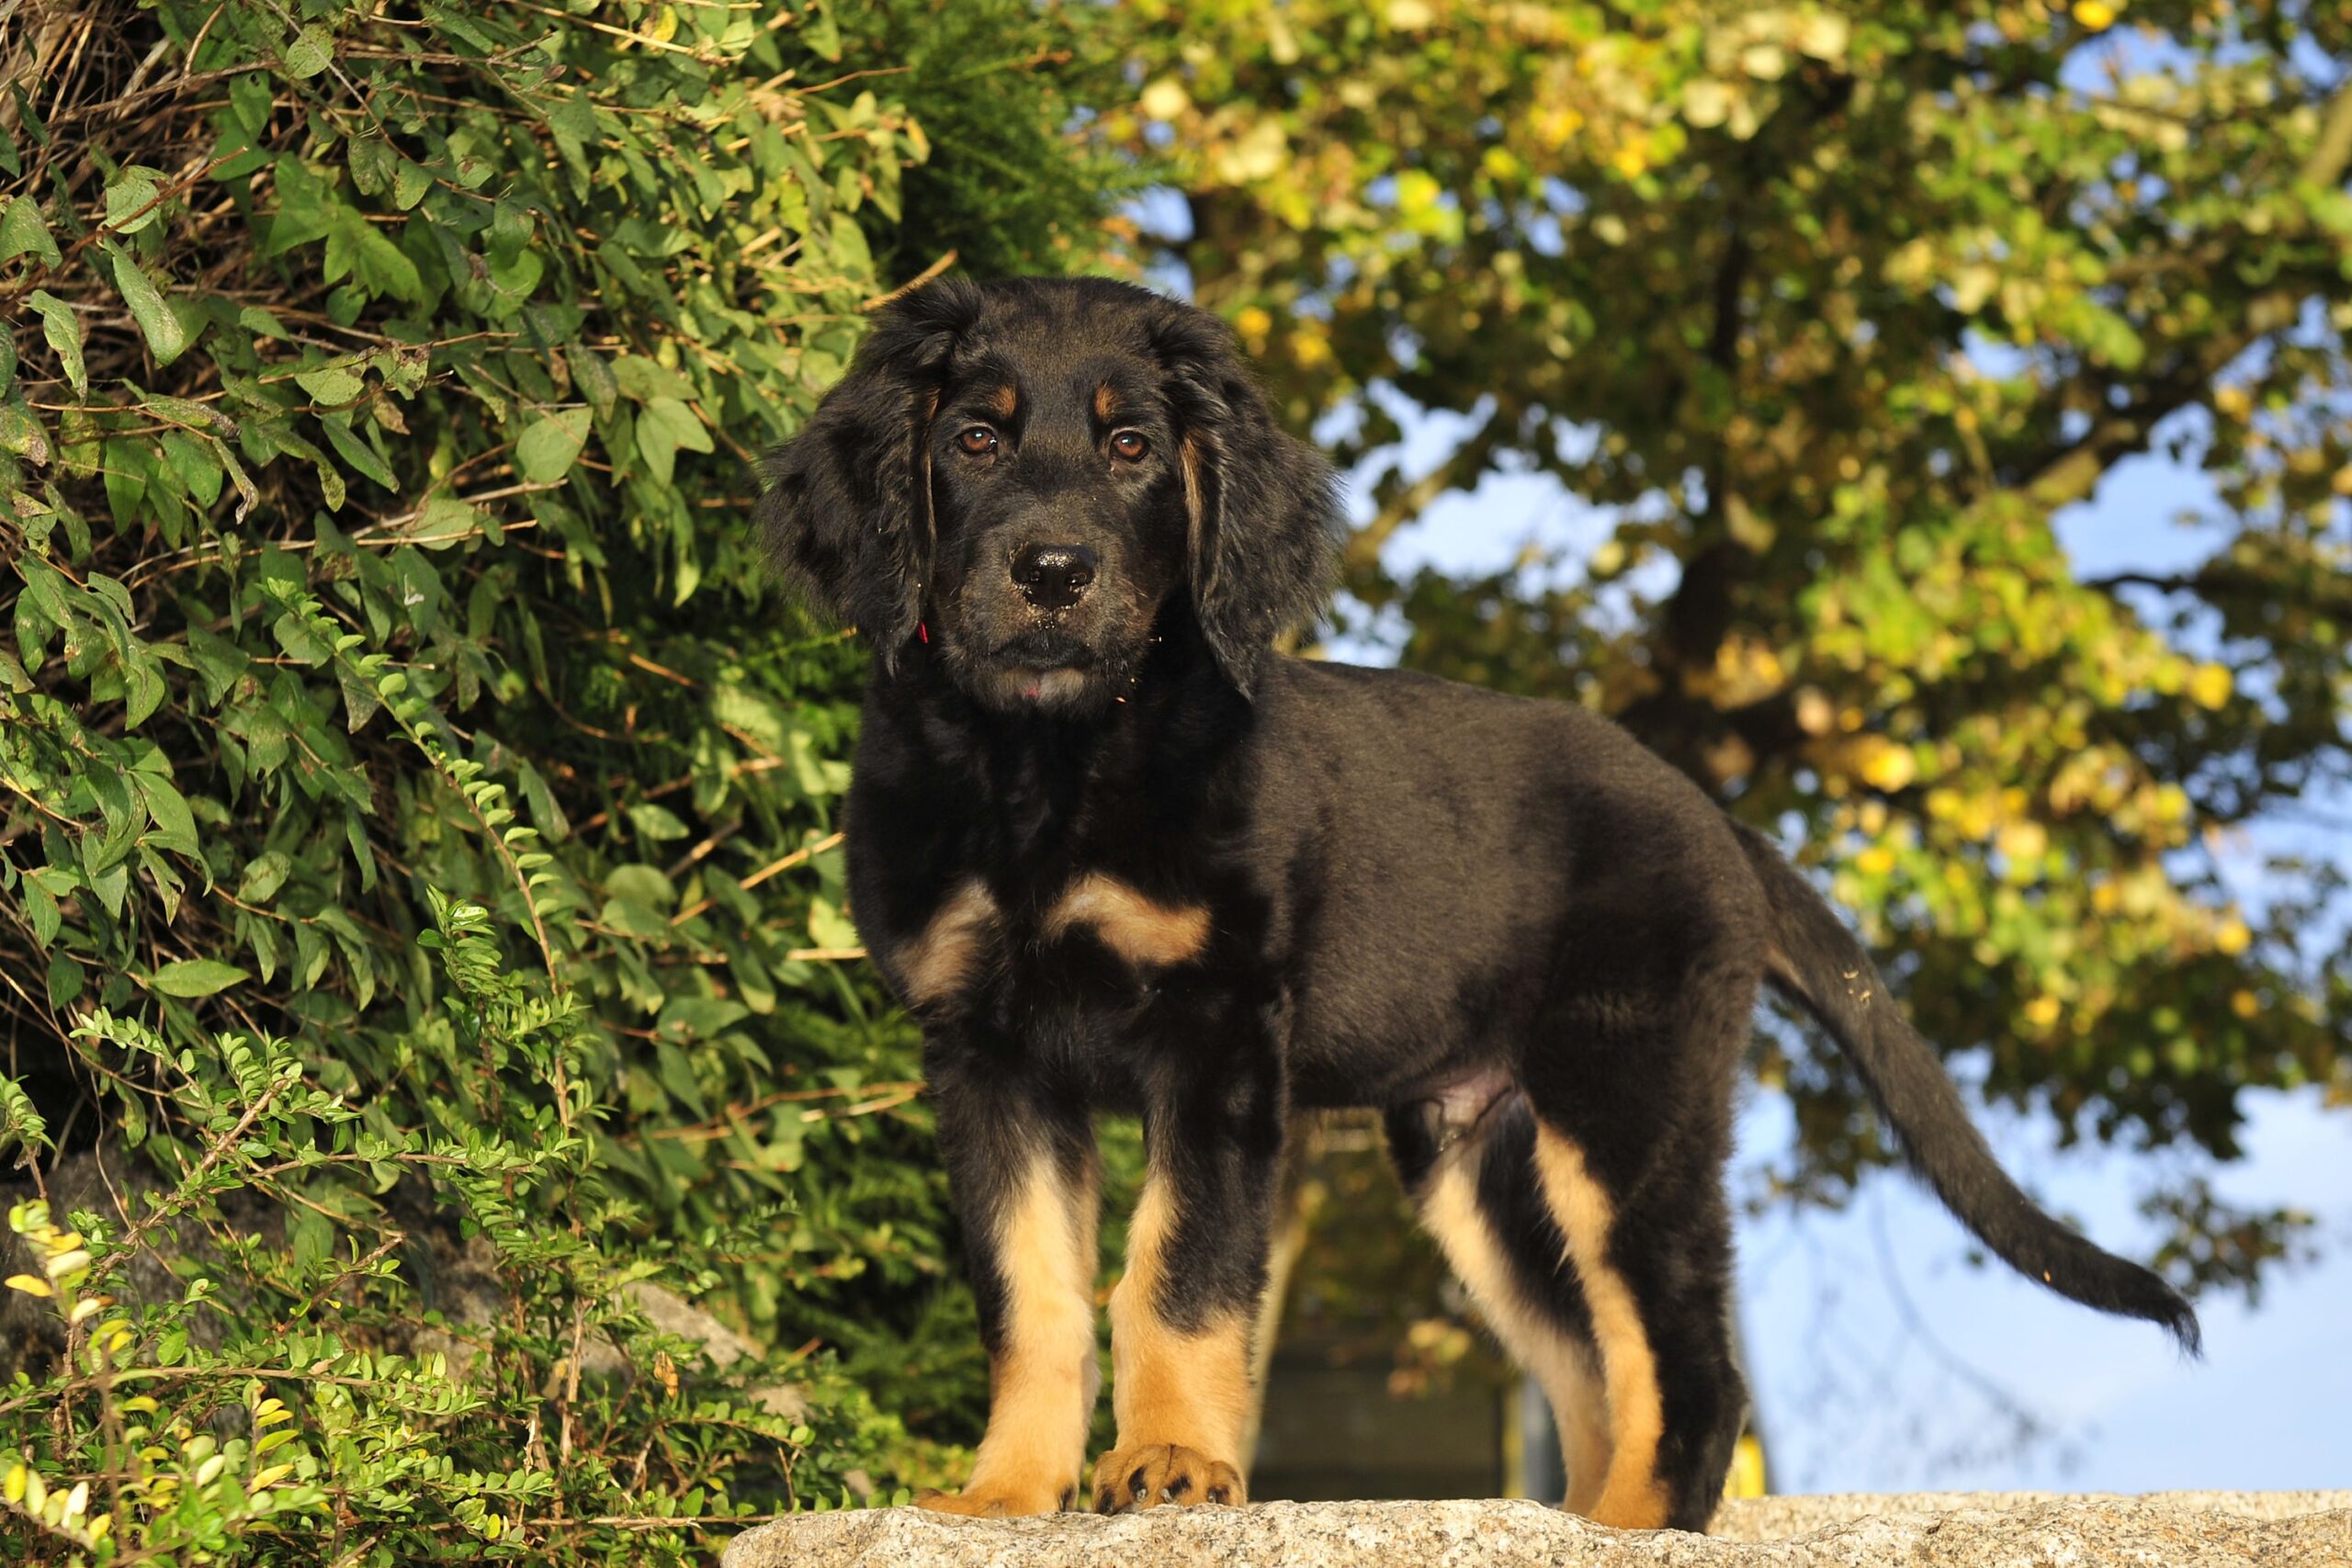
1140,930
943,959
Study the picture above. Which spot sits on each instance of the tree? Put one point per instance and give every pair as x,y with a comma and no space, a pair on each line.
1836,308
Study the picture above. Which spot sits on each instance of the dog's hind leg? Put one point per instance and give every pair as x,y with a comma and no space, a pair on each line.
1471,1171
1630,1130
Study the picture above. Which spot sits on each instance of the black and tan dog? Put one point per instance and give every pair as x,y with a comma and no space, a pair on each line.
1117,855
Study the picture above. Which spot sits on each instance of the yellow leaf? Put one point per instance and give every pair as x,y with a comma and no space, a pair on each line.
269,1475
1165,99
2245,1004
2209,685
12,1487
29,1285
2023,841
1308,349
2096,14
2233,937
1888,766
1876,861
2042,1011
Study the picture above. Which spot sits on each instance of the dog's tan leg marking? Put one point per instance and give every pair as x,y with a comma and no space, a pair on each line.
1561,1366
1140,930
1041,1381
1182,1399
939,961
1631,1496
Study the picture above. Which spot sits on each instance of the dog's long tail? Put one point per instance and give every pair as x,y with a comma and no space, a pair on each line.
1817,963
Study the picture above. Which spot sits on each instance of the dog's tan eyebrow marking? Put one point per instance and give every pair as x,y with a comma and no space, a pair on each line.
940,959
1107,402
1005,400
1138,929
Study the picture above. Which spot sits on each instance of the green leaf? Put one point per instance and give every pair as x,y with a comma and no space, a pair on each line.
42,908
157,322
664,428
62,327
130,200
264,876
409,182
444,522
354,449
174,825
334,384
195,977
23,233
551,445
312,52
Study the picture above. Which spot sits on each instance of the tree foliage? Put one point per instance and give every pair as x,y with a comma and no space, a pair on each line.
1835,307
420,830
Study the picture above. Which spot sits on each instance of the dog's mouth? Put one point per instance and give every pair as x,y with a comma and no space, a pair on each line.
1044,648
1042,668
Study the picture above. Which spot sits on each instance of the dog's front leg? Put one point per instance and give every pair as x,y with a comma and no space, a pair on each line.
1020,1164
1182,1314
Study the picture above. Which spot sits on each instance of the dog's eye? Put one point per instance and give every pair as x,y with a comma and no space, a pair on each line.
978,441
1129,445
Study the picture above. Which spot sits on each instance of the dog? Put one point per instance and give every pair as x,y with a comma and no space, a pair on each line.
1116,854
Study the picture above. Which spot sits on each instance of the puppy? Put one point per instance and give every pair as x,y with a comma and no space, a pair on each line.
1117,855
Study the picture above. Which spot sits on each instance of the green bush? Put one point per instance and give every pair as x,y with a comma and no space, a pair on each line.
421,834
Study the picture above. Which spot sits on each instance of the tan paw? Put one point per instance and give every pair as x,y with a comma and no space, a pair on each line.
998,1502
1145,1475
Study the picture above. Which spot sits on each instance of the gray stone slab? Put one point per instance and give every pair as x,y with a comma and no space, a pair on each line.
2178,1529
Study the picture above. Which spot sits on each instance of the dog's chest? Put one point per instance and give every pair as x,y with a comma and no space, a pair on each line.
1095,938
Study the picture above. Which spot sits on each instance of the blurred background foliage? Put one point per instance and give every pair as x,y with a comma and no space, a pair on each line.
373,425
1834,307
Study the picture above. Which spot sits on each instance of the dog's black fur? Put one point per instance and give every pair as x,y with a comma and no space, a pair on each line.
1501,922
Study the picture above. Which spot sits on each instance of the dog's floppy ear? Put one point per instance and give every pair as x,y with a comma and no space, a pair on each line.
845,508
1264,507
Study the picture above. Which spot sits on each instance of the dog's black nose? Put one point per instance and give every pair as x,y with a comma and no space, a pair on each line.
1054,577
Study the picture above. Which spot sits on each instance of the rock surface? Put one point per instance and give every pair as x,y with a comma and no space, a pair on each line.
2174,1529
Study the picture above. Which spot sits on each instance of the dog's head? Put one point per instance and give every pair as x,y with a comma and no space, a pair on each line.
1031,475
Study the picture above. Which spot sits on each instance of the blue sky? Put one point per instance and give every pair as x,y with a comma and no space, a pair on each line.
1869,1335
